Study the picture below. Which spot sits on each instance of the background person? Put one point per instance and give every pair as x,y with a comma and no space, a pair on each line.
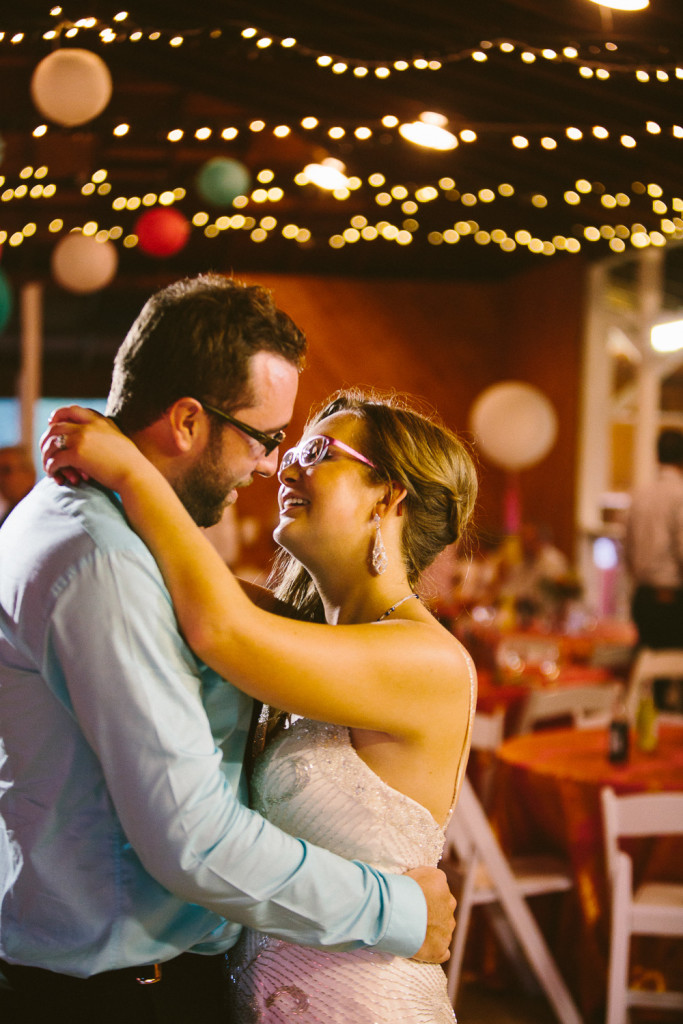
653,552
17,477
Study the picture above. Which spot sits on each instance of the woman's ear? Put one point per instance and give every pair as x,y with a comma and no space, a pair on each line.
188,423
392,502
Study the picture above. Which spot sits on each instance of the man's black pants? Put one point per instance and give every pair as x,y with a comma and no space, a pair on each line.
191,990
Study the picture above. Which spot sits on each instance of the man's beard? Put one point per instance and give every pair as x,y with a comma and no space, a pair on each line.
205,487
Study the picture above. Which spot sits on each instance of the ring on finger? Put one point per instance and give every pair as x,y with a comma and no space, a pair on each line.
60,442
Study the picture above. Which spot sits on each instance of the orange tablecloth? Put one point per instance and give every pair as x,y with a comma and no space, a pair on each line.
547,796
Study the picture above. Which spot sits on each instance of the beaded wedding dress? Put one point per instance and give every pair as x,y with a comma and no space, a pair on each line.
311,783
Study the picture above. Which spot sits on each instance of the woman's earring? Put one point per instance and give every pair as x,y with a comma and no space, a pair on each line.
379,552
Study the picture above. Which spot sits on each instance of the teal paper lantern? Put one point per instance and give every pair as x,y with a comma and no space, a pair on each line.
221,180
6,300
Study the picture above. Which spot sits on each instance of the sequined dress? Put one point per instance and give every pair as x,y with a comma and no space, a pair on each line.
311,783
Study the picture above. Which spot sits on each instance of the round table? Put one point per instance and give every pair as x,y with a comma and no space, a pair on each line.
547,797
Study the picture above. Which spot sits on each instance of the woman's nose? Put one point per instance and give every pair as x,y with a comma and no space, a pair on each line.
289,472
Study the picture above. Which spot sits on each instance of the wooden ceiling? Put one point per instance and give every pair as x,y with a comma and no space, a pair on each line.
218,79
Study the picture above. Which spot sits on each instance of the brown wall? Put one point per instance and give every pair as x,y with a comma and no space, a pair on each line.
444,342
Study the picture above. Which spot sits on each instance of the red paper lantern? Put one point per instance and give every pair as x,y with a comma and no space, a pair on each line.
162,231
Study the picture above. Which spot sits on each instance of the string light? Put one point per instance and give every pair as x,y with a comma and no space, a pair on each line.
607,63
403,234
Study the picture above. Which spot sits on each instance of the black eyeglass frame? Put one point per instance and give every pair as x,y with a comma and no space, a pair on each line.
269,441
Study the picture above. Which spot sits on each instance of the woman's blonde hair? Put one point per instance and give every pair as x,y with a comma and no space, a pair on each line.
419,454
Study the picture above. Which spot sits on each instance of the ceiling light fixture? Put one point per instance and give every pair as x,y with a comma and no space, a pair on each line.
667,337
429,131
328,174
623,5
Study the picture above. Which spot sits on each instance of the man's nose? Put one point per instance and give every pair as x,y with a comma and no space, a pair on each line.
267,464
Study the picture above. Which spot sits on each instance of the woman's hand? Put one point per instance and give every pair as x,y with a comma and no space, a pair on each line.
81,443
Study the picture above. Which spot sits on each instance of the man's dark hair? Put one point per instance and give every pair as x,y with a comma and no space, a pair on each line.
670,448
196,338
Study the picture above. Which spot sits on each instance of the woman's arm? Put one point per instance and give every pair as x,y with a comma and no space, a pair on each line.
372,676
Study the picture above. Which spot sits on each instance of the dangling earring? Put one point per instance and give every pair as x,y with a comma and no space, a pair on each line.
379,552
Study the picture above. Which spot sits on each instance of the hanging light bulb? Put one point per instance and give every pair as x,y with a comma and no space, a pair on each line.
623,5
429,131
328,174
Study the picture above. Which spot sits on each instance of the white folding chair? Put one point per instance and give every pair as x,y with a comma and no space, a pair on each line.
582,704
488,730
649,665
474,857
653,908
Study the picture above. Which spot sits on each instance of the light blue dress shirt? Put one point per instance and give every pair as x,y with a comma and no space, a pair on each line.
124,835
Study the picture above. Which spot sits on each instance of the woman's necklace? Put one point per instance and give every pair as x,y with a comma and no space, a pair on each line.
395,606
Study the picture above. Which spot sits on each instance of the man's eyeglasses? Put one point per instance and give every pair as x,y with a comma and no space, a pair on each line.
310,452
269,441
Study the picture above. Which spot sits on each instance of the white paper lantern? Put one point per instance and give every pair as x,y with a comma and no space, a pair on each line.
71,86
81,264
515,424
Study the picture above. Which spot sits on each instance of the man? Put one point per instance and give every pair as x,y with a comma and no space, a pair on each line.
17,477
126,840
653,549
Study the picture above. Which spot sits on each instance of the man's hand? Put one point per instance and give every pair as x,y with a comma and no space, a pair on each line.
440,910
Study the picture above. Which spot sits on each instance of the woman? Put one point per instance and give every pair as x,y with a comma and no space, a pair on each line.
368,498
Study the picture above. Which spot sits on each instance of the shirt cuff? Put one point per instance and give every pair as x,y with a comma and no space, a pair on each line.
407,925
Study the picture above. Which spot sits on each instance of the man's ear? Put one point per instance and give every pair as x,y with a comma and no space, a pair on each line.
188,424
